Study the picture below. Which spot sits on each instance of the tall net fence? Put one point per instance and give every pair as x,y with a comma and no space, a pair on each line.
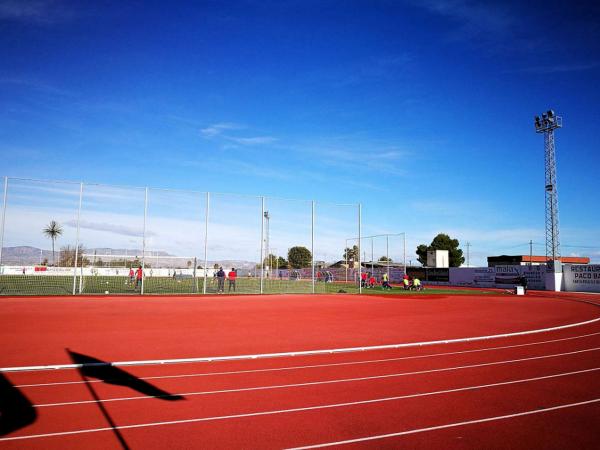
64,238
379,254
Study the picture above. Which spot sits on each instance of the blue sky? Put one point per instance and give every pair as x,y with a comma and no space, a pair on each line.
420,110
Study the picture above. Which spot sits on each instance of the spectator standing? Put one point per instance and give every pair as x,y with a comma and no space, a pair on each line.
220,281
232,276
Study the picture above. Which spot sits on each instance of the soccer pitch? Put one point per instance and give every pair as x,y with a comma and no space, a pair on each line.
104,285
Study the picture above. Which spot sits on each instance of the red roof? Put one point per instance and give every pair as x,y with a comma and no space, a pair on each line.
563,259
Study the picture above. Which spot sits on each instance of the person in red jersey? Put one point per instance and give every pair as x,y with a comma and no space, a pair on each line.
372,281
232,276
363,279
138,277
131,275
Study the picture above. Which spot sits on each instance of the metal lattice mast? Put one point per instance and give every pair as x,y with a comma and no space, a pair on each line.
547,124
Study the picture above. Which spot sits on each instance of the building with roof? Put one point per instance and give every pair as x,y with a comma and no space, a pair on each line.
526,260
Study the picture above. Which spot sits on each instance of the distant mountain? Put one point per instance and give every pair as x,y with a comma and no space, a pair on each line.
25,255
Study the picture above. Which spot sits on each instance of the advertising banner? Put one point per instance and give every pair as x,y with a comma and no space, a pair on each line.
502,277
582,278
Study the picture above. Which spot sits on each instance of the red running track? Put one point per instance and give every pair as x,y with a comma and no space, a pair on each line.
526,391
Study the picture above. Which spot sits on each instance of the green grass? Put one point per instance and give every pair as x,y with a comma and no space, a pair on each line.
63,285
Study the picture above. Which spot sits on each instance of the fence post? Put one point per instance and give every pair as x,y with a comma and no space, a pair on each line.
404,245
77,239
387,254
312,245
262,236
144,240
3,220
359,247
372,256
206,241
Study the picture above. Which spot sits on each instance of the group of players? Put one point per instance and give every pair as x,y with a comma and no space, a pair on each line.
220,277
369,281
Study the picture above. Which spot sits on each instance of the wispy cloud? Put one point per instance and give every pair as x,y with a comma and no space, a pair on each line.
217,129
220,131
473,18
123,230
37,85
560,68
35,11
256,140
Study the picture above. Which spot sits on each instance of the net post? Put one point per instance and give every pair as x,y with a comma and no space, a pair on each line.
144,239
77,239
3,220
262,236
206,241
387,254
372,256
195,284
404,249
312,245
359,248
346,258
81,279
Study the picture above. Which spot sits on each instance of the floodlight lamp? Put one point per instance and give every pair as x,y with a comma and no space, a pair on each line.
550,113
544,115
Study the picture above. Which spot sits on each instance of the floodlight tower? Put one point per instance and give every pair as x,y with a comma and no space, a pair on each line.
547,124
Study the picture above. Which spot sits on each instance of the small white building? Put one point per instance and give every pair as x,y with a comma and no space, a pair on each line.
438,258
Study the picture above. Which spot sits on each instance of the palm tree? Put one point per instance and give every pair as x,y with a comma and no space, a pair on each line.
53,230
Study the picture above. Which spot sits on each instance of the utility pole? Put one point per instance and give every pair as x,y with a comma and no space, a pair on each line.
468,247
530,252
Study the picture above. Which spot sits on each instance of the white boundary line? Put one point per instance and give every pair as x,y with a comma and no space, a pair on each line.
298,353
308,408
449,425
317,366
316,383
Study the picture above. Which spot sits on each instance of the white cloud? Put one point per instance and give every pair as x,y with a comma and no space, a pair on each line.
257,140
218,128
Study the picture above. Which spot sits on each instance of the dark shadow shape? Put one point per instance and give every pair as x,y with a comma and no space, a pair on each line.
16,411
105,371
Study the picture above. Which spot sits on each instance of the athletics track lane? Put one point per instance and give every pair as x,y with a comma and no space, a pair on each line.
360,420
37,331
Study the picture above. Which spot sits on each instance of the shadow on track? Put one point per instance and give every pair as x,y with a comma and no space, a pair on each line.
16,411
105,371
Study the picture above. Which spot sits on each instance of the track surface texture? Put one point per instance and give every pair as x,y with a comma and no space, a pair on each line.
522,391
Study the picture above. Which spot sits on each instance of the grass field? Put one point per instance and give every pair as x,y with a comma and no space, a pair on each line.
63,285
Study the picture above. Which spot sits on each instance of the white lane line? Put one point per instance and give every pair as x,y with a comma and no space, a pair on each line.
298,353
449,425
314,383
293,410
313,366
